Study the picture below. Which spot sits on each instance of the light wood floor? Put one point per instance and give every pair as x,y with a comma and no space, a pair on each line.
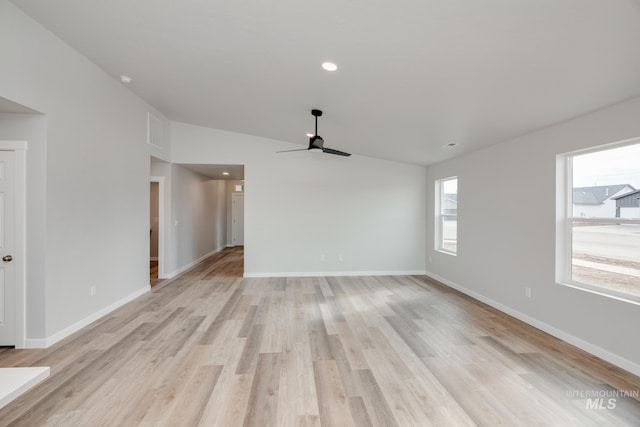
153,270
210,348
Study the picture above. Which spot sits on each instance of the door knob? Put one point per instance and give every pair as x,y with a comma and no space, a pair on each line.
7,258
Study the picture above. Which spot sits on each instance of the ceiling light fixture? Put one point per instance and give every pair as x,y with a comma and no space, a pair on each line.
225,173
126,79
309,135
449,145
329,66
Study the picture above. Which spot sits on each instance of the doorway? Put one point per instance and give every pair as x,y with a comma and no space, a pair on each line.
156,229
12,242
153,230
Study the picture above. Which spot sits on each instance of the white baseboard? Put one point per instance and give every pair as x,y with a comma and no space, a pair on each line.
191,264
337,273
619,361
58,336
35,343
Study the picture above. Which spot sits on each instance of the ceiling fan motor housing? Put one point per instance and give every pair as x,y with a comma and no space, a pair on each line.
316,142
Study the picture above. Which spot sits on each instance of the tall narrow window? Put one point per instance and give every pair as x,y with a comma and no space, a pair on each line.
602,247
447,215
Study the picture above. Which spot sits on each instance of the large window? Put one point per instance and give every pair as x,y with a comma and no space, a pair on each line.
600,232
447,215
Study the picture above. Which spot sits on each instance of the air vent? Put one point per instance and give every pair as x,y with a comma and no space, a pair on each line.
154,131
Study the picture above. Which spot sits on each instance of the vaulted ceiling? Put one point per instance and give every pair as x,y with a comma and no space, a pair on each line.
413,76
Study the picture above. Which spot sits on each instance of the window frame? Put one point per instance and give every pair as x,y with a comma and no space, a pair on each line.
565,223
440,216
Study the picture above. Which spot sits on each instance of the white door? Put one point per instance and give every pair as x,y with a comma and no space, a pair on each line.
7,283
237,216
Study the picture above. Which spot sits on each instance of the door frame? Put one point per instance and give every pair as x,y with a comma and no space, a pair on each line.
161,259
20,210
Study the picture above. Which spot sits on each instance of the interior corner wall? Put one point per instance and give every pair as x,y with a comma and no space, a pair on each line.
97,173
507,241
33,129
364,215
199,215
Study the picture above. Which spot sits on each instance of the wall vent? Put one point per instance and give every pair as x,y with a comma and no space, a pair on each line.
154,131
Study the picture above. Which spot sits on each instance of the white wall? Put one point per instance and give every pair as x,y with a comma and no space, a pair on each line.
199,215
97,174
606,210
301,205
506,230
630,212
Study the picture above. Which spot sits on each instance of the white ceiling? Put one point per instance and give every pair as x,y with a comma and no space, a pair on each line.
414,74
235,172
10,107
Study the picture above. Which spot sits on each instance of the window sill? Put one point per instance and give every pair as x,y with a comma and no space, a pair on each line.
444,251
601,291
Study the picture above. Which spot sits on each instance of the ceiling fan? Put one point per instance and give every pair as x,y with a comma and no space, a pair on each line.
316,143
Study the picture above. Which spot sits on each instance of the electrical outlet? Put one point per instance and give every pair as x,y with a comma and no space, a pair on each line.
527,292
430,259
93,291
322,258
340,258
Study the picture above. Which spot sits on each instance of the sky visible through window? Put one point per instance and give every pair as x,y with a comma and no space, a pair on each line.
616,166
450,186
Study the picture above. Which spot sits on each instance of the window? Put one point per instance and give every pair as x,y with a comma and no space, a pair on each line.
447,215
600,223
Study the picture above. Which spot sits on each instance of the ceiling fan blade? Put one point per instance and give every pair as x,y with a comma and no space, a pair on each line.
316,142
288,151
336,152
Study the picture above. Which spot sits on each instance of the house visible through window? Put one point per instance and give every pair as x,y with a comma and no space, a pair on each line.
602,227
447,215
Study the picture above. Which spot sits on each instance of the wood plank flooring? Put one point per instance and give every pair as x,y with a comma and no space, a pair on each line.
153,270
209,348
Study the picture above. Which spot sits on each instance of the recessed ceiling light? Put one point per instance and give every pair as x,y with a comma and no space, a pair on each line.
225,173
449,145
126,79
329,66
